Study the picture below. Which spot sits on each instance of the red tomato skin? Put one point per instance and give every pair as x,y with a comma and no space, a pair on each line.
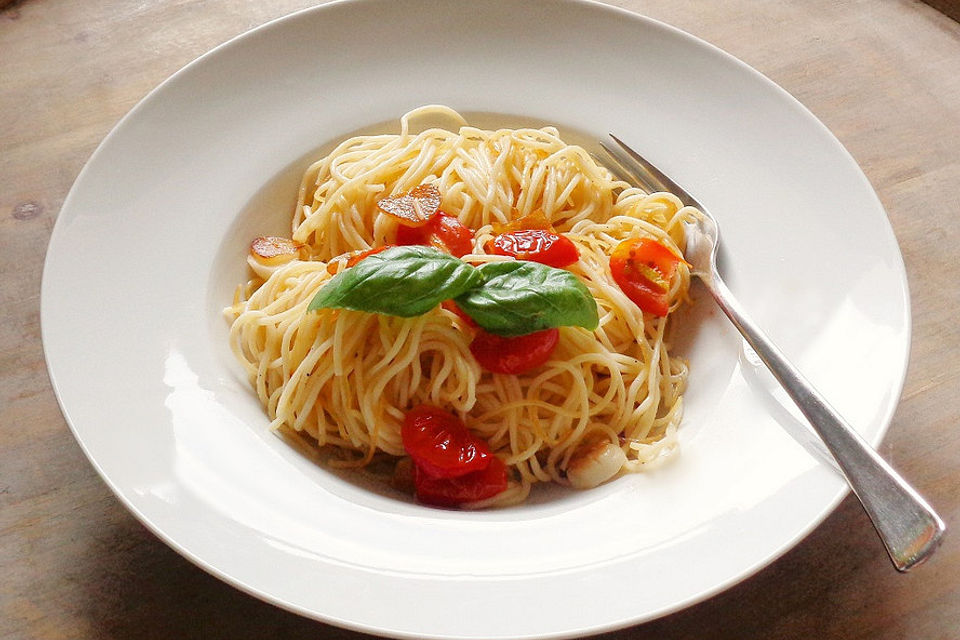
440,445
537,245
453,492
445,232
454,234
413,235
499,354
646,294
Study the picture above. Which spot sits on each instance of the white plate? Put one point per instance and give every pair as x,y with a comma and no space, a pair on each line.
150,243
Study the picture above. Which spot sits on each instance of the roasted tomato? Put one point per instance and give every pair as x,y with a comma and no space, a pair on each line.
537,245
440,444
444,232
414,208
347,260
452,492
499,354
642,268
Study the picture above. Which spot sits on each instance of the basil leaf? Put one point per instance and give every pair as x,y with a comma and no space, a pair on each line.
521,297
401,281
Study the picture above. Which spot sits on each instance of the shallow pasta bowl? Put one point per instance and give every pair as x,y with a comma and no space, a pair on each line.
137,350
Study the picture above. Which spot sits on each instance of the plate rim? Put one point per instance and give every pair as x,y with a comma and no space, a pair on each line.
58,233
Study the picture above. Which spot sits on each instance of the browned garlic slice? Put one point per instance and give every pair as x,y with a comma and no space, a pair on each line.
267,253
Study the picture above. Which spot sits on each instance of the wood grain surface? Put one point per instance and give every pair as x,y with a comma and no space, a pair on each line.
884,76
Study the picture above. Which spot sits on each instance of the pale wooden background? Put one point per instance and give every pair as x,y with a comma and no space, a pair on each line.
884,75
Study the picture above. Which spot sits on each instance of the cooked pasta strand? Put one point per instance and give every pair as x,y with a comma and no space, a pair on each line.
346,378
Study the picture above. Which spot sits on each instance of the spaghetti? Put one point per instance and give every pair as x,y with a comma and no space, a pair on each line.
607,399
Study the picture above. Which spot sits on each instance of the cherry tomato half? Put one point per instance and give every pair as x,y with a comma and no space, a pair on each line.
441,445
452,492
642,268
519,354
444,232
537,245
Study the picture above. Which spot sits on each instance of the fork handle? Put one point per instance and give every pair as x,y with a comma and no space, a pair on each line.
909,528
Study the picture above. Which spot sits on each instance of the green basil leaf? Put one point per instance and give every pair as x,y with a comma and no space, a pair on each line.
520,297
401,281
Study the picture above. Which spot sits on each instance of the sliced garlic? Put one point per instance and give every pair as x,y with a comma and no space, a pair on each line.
267,253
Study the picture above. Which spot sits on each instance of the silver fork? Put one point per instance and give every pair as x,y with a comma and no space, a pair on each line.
908,526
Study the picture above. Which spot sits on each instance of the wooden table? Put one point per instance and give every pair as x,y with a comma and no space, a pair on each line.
884,76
